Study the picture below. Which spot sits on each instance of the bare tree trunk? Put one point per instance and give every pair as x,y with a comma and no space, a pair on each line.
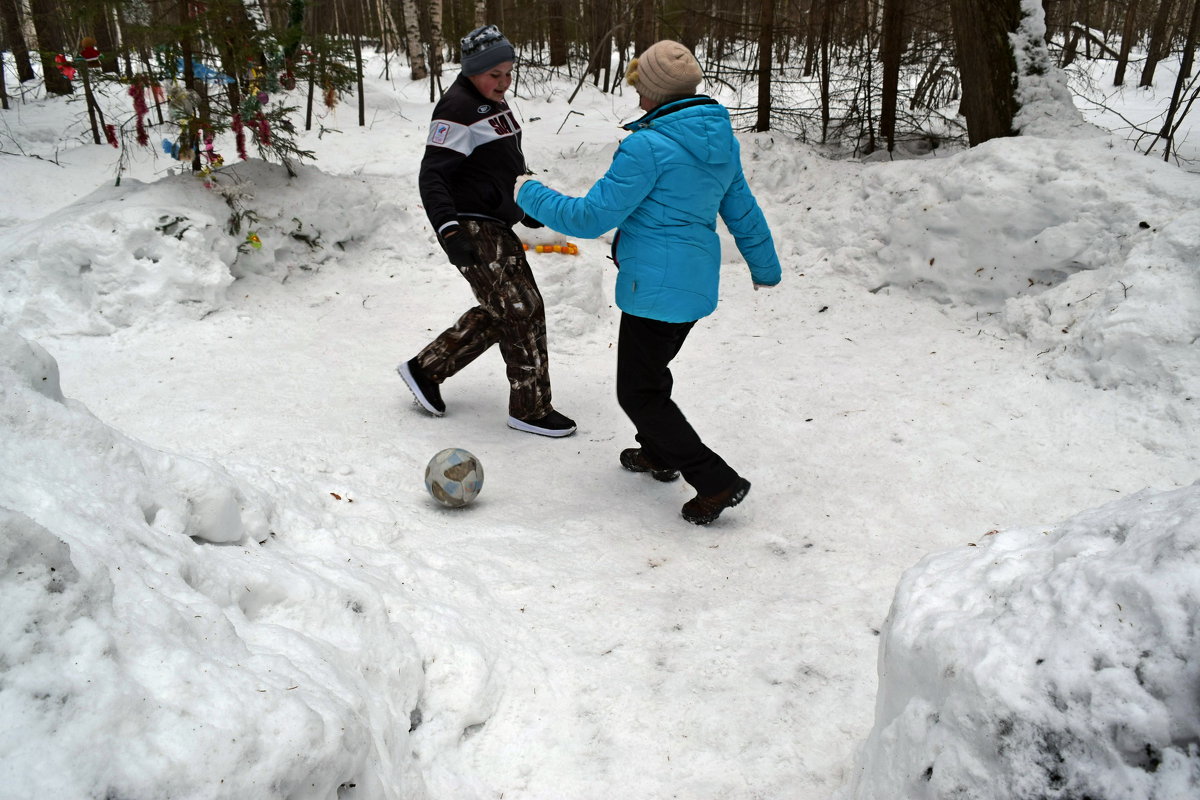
891,49
358,68
766,45
1159,43
3,79
189,77
95,115
102,31
11,16
308,101
50,40
1185,69
1128,34
412,41
987,65
1070,36
435,37
644,26
480,17
600,15
825,65
597,54
557,24
812,38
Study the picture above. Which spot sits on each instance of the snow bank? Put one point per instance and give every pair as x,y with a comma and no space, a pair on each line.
1136,323
1083,249
1068,669
126,253
157,643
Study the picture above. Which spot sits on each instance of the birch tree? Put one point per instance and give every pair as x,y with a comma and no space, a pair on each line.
412,41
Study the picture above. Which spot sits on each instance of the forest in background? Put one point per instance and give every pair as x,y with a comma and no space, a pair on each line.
858,75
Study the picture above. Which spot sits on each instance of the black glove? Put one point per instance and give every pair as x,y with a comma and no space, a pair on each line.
457,245
530,222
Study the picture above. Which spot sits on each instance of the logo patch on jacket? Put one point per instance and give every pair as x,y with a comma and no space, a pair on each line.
440,131
483,109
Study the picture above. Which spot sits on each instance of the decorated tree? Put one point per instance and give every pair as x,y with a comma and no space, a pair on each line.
196,70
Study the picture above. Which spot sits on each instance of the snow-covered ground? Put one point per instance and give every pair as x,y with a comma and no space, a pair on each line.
972,401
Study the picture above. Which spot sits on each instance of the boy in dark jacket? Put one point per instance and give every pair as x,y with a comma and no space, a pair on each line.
472,160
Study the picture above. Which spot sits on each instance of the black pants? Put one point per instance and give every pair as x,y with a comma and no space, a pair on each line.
510,314
645,349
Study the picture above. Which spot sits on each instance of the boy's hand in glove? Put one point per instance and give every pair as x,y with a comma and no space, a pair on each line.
458,247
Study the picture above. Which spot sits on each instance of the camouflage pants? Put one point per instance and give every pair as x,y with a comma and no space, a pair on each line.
510,313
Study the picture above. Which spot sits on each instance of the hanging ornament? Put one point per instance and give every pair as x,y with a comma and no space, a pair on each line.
137,91
182,103
239,131
263,128
187,142
64,66
89,52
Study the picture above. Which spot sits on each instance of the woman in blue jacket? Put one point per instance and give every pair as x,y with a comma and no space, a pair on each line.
679,169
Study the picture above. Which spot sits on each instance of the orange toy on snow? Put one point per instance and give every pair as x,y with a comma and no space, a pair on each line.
569,249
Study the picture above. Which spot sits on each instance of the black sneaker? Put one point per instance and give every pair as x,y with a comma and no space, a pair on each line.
553,424
634,460
703,509
427,393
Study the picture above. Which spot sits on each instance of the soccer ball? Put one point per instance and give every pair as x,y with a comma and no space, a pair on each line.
454,477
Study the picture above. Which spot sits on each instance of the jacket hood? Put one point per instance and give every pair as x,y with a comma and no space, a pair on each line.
698,124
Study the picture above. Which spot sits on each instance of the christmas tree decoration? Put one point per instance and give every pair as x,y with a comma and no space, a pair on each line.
64,66
239,133
137,91
88,52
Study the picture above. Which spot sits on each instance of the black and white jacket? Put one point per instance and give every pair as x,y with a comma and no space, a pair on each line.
472,159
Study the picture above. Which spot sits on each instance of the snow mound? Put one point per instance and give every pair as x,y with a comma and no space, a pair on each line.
1089,255
161,664
1069,669
1136,323
124,254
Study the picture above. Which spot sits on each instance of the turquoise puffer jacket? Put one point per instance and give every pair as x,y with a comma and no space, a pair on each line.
670,178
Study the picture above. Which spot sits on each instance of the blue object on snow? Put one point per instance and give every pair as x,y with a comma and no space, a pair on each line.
203,72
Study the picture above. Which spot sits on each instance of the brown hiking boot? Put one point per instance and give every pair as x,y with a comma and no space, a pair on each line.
703,509
635,460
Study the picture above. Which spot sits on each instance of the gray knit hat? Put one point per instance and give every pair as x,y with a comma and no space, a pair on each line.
484,48
665,71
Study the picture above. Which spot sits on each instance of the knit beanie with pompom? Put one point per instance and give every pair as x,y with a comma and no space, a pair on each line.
484,48
665,71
